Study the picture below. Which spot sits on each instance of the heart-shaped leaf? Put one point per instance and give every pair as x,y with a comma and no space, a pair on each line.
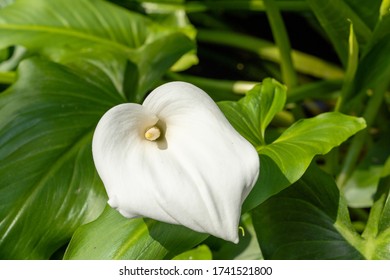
285,160
308,220
48,182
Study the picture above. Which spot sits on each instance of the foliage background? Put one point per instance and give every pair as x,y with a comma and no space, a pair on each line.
305,81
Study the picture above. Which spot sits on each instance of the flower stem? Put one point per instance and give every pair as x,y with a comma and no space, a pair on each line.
233,89
253,5
222,90
281,38
304,63
358,141
325,89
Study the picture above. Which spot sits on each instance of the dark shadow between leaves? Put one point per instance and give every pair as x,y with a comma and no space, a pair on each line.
174,238
299,222
271,181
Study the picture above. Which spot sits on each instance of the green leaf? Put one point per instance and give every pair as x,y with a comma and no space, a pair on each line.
285,160
172,14
334,16
247,249
201,252
374,68
308,220
362,185
251,115
368,11
382,29
352,65
112,236
280,36
156,58
62,25
48,182
96,32
377,231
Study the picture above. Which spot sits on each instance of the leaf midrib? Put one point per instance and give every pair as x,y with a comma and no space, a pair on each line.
68,32
133,239
73,148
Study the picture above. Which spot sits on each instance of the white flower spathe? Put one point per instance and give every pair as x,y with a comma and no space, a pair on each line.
176,159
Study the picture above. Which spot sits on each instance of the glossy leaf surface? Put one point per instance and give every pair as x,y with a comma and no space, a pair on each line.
308,220
126,46
48,182
285,160
114,237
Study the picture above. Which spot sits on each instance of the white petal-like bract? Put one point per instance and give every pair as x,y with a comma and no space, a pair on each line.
176,159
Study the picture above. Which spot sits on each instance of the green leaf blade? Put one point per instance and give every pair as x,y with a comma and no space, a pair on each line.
99,33
334,16
201,252
48,183
309,220
251,115
130,239
286,159
31,23
377,231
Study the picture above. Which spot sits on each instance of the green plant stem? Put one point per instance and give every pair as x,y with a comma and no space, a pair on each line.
304,63
235,87
360,138
253,5
282,41
325,89
7,77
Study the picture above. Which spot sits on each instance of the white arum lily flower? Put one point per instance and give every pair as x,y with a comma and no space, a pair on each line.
176,159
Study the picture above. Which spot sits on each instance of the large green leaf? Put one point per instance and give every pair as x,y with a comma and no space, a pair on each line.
335,17
112,236
171,14
374,68
48,182
368,11
308,220
284,161
94,30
